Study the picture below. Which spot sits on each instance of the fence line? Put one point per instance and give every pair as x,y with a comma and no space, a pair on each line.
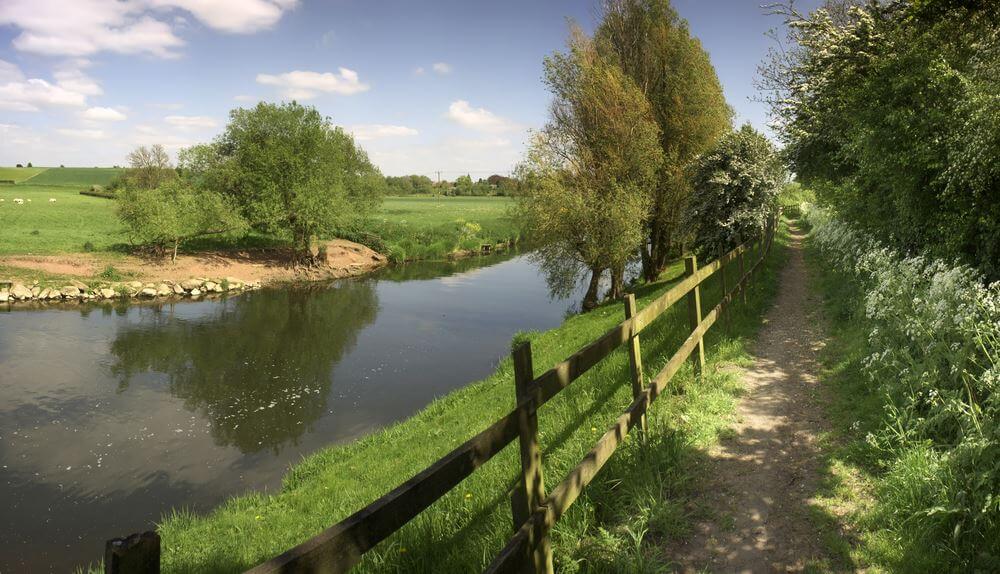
341,546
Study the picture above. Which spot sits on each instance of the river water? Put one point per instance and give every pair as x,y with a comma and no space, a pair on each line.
111,415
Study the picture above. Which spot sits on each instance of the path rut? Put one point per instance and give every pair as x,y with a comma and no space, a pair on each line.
758,481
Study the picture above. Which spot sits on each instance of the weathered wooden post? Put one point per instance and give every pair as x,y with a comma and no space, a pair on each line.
134,554
530,490
634,355
725,291
694,313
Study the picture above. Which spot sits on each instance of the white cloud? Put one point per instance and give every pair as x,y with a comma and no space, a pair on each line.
85,134
84,27
232,16
18,93
479,119
302,85
191,122
419,71
99,114
441,68
368,132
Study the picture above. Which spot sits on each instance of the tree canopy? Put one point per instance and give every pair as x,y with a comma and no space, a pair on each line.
587,174
289,170
891,112
654,47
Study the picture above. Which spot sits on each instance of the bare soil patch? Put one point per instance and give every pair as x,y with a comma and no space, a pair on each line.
760,480
342,259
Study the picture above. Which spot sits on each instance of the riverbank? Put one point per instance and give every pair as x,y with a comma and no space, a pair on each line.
83,277
637,501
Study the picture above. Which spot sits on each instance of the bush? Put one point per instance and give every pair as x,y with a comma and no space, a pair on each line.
88,246
934,350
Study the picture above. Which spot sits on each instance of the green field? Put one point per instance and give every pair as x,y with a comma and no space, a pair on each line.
43,227
79,177
619,523
19,174
407,227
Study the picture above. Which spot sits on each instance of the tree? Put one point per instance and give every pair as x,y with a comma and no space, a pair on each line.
889,111
463,185
149,167
654,47
289,170
19,165
587,174
736,189
173,213
29,164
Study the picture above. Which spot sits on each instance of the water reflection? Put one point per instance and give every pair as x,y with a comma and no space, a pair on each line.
258,367
111,415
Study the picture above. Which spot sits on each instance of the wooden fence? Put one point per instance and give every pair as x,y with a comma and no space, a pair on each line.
341,546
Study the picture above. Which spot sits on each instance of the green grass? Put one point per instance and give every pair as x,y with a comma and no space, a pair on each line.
41,227
78,177
434,227
619,524
19,174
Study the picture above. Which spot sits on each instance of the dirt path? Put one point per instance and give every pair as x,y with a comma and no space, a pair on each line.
759,480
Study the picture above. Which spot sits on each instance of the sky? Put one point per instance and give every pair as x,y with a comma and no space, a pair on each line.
449,86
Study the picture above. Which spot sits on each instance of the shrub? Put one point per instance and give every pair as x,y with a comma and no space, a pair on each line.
934,350
88,247
111,274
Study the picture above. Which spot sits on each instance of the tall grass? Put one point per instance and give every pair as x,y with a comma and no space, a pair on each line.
930,357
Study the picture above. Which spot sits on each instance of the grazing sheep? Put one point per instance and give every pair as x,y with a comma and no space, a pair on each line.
52,200
18,201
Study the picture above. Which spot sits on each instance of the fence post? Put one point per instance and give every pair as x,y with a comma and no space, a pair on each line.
634,356
725,290
134,554
694,313
740,285
530,490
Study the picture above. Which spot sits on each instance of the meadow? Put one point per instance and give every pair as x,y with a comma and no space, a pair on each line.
405,228
19,174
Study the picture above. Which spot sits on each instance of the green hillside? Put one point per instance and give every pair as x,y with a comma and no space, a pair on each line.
19,174
76,176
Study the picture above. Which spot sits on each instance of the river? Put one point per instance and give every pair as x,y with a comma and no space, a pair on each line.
111,414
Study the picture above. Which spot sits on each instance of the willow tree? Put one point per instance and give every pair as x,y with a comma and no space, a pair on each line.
587,173
654,47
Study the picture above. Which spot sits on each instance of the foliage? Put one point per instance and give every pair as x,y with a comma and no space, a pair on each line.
173,213
933,351
891,111
409,185
736,187
587,174
149,167
654,47
289,170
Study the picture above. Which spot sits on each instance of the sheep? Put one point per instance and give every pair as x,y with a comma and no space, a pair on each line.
18,201
52,200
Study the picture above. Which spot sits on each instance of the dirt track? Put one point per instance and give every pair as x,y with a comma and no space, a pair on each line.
759,480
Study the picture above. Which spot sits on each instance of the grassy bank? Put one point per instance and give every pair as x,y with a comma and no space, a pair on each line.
637,502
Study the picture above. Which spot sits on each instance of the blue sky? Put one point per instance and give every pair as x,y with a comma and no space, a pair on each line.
448,85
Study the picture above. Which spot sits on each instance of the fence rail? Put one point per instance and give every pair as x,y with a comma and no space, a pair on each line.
342,546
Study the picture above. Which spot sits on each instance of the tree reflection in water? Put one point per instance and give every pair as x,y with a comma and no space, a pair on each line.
260,368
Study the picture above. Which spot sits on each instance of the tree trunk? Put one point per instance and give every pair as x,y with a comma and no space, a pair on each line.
617,283
590,298
174,258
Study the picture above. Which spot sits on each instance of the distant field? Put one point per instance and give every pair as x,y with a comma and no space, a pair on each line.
80,177
18,174
41,227
414,227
